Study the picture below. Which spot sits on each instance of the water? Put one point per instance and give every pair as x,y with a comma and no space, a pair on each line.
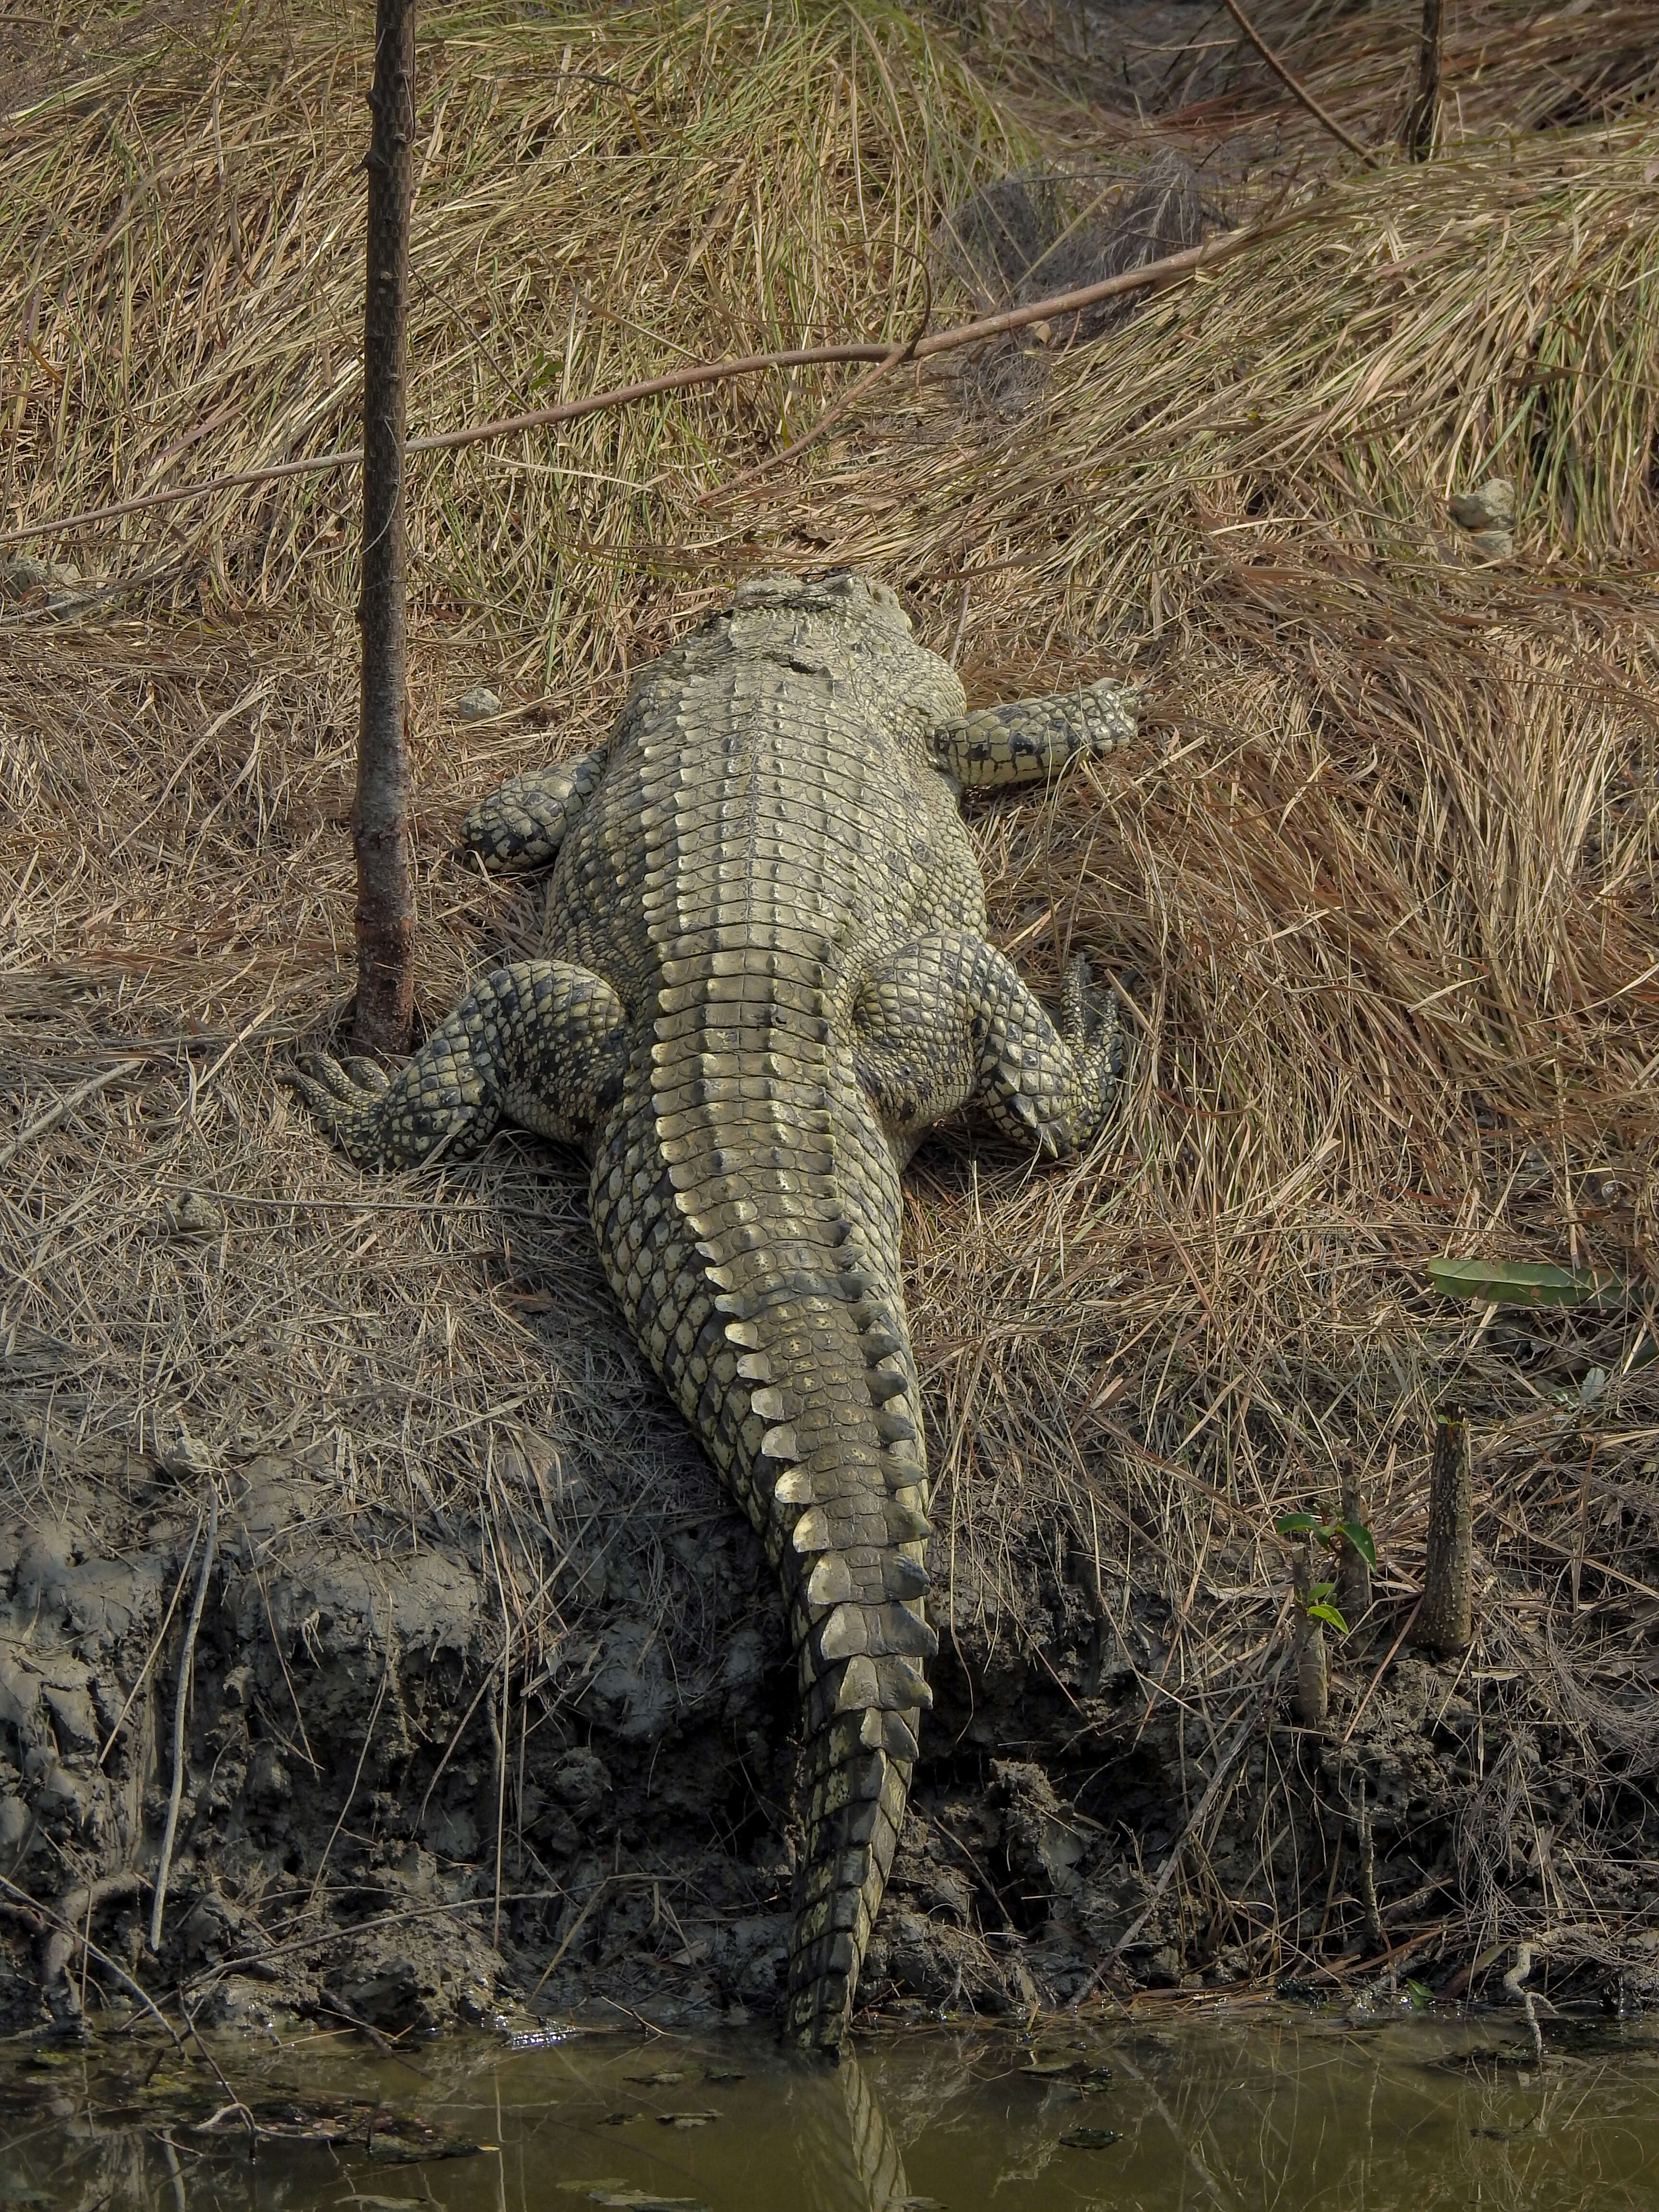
1253,2114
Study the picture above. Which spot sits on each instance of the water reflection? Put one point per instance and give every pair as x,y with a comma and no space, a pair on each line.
1290,2113
852,2156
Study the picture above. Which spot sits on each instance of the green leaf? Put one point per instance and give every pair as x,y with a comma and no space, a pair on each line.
1357,1534
1328,1612
1299,1525
1526,1283
1320,1591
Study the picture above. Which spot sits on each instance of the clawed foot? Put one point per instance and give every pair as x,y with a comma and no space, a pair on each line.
434,1107
1111,716
1091,1025
347,1099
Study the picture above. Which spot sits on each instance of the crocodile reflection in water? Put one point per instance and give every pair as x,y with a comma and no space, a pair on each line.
852,2160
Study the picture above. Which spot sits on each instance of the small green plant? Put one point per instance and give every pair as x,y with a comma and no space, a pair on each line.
1317,1605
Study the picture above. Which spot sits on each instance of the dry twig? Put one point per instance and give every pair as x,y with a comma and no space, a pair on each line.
180,1717
1173,267
1294,86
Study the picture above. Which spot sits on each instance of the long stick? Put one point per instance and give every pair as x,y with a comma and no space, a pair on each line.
1294,85
55,1113
379,813
180,1713
1173,267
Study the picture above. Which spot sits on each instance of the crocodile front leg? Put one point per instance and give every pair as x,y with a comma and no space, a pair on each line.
1029,739
521,826
948,1024
540,1043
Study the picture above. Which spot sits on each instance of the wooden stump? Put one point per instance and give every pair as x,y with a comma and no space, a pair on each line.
1445,1620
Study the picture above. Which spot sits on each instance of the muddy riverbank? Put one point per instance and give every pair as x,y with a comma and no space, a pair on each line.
379,1821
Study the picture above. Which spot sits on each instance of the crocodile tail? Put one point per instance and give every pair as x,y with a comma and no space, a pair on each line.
855,1798
775,1318
861,1637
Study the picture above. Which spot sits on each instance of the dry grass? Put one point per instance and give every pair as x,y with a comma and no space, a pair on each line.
1506,65
1386,903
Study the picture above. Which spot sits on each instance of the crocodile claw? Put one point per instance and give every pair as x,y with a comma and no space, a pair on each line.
321,1081
1088,1015
342,1099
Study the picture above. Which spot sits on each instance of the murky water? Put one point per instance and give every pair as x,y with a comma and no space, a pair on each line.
1284,2113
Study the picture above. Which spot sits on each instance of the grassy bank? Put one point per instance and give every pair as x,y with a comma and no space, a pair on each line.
1379,888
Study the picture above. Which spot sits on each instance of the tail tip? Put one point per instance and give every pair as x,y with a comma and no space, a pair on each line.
817,2017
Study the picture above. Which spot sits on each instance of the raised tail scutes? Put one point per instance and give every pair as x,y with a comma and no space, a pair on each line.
855,1547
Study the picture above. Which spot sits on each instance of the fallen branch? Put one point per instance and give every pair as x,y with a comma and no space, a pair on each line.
1516,1975
235,2105
1294,85
848,399
1171,268
74,1927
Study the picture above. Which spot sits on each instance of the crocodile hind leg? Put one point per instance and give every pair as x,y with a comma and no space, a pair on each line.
1031,739
521,826
540,1043
947,1023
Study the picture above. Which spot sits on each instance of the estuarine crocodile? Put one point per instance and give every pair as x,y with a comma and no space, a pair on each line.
766,976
